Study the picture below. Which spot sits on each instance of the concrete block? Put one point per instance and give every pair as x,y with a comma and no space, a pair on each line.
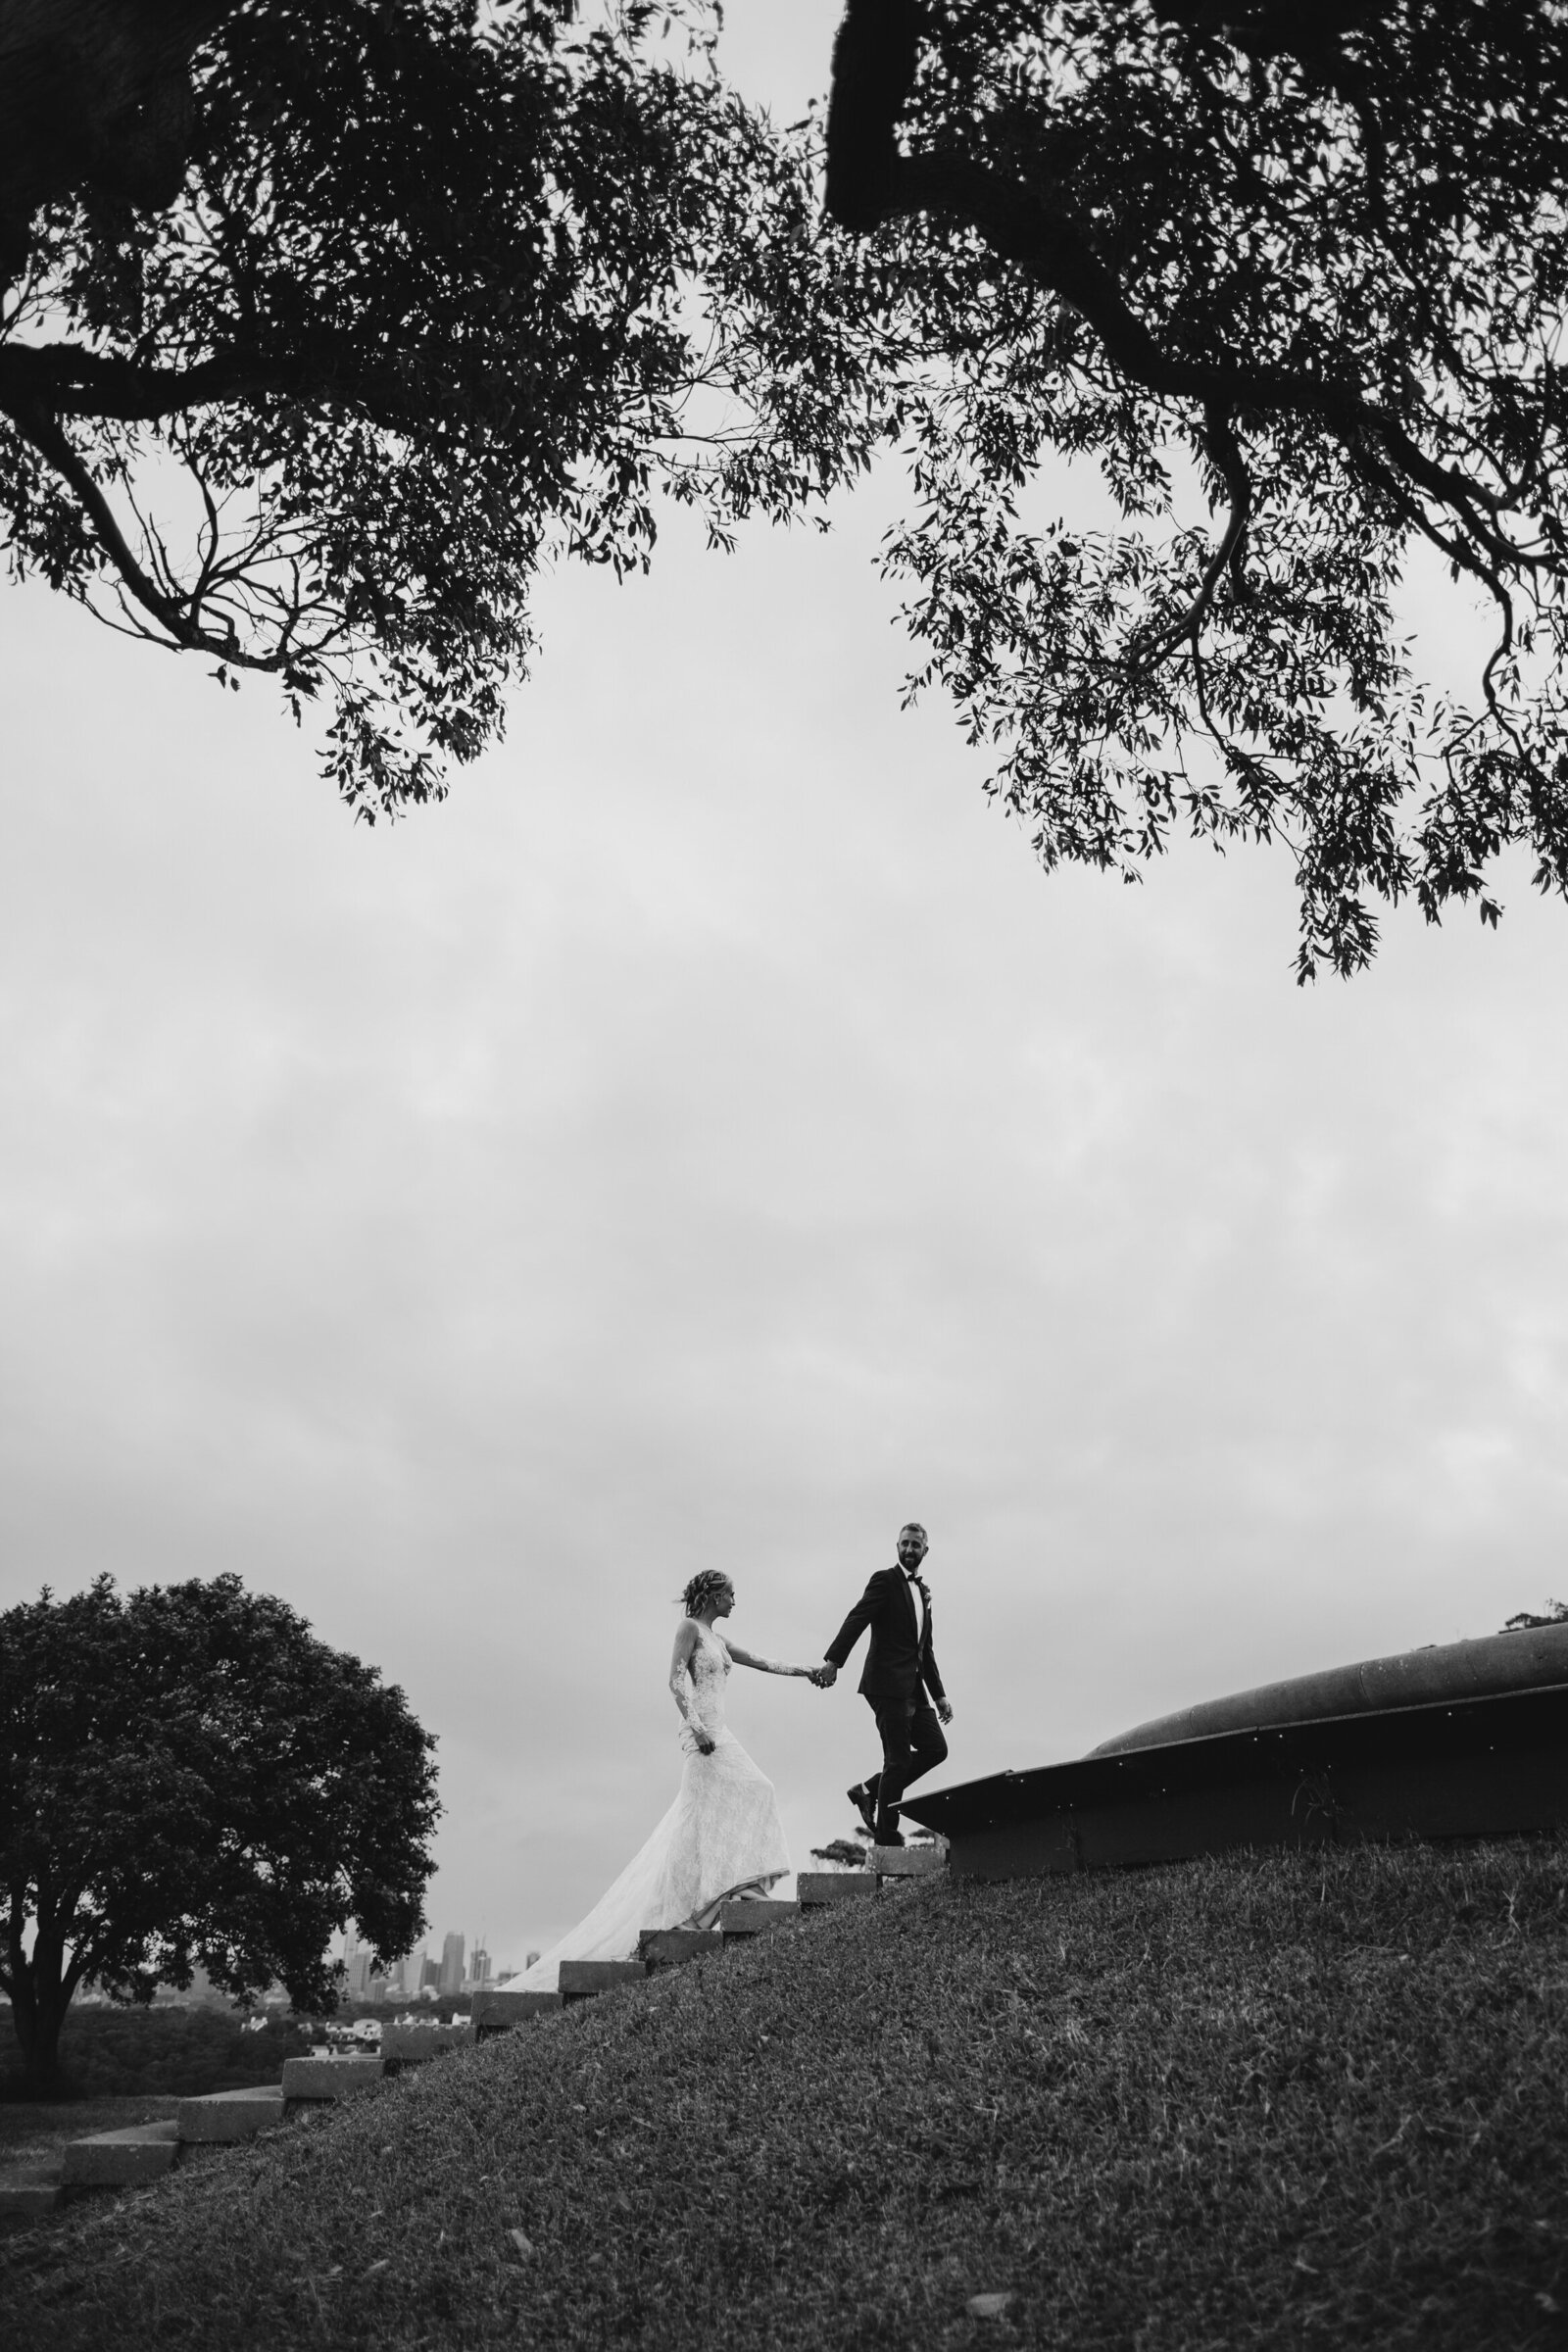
121,2159
819,1887
581,1980
908,1861
28,2200
670,1948
750,1919
498,2007
230,2115
328,2077
407,2044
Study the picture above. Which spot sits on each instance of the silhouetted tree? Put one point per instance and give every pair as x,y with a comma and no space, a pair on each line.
1302,267
323,336
441,289
844,1853
1527,1621
187,1774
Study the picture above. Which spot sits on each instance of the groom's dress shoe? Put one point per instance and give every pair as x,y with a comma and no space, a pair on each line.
861,1799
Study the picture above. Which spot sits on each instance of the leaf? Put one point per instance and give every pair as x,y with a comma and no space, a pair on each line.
524,2243
991,2307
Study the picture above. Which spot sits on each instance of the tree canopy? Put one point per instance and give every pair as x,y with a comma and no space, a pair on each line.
446,289
439,291
187,1775
1291,280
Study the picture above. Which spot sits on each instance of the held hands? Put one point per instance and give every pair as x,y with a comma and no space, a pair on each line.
827,1674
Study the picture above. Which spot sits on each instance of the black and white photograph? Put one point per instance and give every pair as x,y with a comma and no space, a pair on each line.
784,1175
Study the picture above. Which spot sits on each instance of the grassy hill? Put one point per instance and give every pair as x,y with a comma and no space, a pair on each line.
1264,2101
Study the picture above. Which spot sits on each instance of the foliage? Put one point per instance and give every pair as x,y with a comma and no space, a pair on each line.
1525,1621
187,1774
1312,2100
450,289
1300,270
854,1851
844,1853
121,2053
447,291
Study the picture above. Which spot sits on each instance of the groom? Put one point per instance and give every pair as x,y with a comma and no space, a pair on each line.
900,1669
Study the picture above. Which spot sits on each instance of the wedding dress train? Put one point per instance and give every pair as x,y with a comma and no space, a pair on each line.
721,1838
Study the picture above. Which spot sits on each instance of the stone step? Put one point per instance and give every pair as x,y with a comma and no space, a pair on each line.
29,2200
819,1887
750,1919
498,2007
908,1861
121,2159
581,1980
407,2044
34,2190
223,2116
328,2077
670,1948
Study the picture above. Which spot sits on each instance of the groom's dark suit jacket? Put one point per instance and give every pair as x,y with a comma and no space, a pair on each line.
898,1659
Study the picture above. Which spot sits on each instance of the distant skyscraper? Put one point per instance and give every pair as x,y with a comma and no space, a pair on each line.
355,1963
529,1959
452,1965
480,1966
429,1974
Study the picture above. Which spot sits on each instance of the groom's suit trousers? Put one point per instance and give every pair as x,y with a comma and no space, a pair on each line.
912,1742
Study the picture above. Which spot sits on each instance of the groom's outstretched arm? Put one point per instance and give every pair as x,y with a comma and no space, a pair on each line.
859,1617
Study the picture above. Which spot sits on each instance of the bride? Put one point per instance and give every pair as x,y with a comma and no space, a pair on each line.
721,1838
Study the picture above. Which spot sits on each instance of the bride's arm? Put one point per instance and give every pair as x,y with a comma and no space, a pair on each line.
743,1657
682,1688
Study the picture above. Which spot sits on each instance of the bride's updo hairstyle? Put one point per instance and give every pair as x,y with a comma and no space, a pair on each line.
705,1585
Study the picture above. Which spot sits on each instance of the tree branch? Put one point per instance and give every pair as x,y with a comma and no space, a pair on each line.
874,60
1021,229
171,612
72,382
1275,28
871,183
1226,452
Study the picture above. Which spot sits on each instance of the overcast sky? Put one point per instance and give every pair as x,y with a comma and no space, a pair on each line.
708,1140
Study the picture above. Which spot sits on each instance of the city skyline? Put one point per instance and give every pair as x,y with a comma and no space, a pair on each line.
417,1971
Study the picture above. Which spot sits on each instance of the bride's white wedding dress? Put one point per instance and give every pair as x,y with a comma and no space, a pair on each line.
721,1838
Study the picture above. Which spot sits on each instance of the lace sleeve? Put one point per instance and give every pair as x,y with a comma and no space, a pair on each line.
684,1692
749,1657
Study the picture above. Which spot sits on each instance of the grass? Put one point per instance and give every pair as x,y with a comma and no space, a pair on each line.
1265,2101
33,2134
